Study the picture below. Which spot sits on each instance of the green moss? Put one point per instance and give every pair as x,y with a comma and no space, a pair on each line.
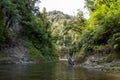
4,55
112,57
79,58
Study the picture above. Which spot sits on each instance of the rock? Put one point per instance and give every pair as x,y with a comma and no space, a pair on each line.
14,47
6,60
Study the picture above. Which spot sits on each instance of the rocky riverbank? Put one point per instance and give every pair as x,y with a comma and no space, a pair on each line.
99,63
14,52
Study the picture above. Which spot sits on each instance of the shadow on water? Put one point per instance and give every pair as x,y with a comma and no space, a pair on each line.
51,71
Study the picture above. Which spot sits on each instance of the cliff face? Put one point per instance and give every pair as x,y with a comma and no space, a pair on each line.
13,50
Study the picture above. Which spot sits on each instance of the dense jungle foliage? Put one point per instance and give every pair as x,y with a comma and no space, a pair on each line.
98,34
101,32
35,27
47,34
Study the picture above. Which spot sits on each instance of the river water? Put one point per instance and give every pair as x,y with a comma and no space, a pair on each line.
51,71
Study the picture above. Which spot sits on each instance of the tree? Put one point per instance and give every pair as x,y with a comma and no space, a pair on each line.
35,28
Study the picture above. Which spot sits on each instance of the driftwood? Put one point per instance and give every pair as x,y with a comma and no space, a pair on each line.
70,61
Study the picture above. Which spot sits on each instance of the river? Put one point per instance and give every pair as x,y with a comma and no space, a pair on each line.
51,71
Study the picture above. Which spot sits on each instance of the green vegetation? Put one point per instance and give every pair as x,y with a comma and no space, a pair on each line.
99,34
47,34
34,27
59,21
102,28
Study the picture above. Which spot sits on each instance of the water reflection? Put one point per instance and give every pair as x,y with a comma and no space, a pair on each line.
50,71
12,72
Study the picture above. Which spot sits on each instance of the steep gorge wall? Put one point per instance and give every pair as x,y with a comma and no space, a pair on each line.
13,50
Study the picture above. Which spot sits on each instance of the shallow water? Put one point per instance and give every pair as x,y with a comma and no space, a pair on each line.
51,71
